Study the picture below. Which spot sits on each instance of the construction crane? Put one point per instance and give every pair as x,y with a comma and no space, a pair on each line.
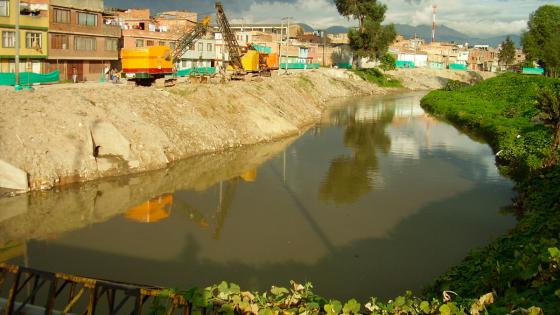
147,65
232,46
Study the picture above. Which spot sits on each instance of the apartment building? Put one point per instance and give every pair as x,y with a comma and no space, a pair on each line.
81,39
34,23
140,29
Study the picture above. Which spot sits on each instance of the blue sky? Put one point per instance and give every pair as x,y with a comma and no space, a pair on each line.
473,17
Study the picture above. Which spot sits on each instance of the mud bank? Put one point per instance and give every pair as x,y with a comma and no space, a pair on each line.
64,133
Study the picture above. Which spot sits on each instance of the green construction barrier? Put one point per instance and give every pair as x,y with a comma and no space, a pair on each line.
343,65
300,66
29,78
404,64
535,71
457,66
263,49
187,72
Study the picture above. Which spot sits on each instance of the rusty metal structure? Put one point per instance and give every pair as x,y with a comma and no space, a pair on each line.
30,291
230,41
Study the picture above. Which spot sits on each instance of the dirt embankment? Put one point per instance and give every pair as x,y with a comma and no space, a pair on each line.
69,133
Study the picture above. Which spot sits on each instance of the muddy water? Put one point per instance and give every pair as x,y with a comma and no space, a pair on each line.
376,199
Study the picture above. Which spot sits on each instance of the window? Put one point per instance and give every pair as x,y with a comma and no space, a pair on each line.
8,39
149,43
86,43
4,7
161,43
200,47
139,43
33,40
59,41
111,44
87,19
61,16
209,47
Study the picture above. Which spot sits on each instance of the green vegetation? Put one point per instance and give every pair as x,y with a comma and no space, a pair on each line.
371,39
507,53
541,42
388,62
376,76
502,110
521,268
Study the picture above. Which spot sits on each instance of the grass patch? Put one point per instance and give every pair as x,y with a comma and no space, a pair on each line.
305,82
516,267
182,91
377,77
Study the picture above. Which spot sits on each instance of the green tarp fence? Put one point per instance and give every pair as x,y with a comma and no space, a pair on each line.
537,71
343,65
300,66
263,49
457,66
29,78
188,72
404,64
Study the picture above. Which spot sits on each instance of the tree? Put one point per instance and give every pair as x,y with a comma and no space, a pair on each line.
549,105
370,39
507,52
541,42
360,9
388,62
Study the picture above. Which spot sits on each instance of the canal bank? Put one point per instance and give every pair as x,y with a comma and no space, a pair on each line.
61,134
66,133
521,267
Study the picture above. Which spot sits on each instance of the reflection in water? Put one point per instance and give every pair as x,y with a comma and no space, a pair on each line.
350,177
379,196
151,211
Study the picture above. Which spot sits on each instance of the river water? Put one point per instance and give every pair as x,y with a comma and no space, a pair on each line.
376,199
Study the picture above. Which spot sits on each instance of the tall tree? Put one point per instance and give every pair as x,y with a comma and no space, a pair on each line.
507,52
371,39
541,42
549,104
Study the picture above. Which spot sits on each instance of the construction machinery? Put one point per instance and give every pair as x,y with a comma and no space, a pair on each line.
246,60
147,65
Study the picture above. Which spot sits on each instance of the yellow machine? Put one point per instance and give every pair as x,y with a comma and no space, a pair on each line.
151,211
147,64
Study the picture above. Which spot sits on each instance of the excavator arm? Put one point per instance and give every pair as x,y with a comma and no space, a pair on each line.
189,38
230,41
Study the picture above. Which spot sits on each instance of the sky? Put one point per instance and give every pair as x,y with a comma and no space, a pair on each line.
482,18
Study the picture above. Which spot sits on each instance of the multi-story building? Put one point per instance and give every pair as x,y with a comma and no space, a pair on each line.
82,39
140,29
34,23
483,58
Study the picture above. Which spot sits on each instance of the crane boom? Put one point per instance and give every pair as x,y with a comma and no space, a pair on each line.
230,41
188,38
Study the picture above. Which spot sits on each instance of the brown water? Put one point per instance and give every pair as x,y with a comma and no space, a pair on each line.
376,199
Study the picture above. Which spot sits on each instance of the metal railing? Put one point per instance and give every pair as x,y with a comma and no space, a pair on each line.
31,291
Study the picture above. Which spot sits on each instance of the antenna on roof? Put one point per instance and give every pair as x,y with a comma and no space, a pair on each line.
434,10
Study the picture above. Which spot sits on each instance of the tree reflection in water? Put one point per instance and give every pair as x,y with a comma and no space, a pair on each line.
351,177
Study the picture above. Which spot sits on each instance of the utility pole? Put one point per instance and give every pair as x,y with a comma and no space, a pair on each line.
18,5
324,43
281,45
287,40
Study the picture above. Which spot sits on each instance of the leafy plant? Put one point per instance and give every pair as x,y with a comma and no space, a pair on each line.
377,77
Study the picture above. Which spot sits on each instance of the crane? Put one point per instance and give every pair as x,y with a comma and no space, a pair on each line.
232,46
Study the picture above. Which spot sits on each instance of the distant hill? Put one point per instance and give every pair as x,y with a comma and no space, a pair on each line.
306,28
448,34
337,30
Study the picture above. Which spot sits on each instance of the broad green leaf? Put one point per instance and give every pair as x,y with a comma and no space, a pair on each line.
425,307
445,310
400,301
333,308
351,306
279,291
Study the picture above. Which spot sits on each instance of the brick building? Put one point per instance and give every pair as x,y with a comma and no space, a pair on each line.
83,38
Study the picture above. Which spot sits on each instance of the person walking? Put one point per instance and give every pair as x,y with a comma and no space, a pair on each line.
74,74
